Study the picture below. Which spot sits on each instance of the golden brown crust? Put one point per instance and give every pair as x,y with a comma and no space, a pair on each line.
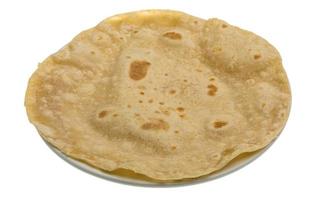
160,93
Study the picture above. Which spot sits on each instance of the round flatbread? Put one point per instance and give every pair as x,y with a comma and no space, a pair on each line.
161,93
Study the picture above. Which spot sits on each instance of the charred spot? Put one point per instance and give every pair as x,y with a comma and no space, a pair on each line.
138,69
172,92
212,89
180,109
155,124
102,114
257,56
173,35
219,124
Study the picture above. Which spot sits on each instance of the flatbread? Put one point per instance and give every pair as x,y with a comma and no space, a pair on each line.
161,93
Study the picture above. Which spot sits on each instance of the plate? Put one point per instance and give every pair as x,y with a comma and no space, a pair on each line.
132,178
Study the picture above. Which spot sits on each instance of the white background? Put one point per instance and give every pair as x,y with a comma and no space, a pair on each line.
31,30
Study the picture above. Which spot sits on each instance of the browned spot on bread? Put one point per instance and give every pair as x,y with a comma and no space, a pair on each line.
211,93
166,112
257,56
138,69
142,93
102,114
128,106
176,131
224,25
180,109
92,52
212,90
166,74
150,100
211,79
228,151
172,91
115,115
155,124
173,35
173,147
140,101
161,103
182,116
185,80
137,114
219,124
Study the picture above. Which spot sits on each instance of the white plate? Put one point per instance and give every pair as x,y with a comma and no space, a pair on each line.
140,180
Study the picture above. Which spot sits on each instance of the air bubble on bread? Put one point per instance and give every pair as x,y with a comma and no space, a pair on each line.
250,81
